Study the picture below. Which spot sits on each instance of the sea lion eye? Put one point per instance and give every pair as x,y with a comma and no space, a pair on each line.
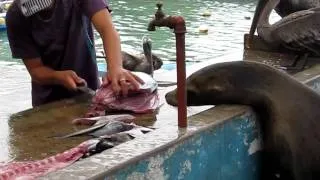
216,88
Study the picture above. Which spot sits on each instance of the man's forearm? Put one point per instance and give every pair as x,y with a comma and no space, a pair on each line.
110,37
44,75
40,73
111,44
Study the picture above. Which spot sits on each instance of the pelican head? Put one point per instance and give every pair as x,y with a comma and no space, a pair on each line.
262,13
147,46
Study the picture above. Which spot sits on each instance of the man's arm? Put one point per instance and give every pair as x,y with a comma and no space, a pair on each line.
120,78
111,41
40,73
22,47
46,76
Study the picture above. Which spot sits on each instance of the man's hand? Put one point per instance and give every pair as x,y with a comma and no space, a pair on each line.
68,79
122,81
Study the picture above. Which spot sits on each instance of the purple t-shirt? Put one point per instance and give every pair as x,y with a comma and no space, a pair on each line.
64,41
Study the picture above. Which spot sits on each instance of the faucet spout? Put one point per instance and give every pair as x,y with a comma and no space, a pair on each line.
161,20
178,24
158,16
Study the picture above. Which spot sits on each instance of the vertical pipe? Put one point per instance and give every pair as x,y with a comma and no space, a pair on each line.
178,24
181,79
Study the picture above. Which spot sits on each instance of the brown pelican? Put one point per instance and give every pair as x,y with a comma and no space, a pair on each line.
143,62
299,31
286,7
146,62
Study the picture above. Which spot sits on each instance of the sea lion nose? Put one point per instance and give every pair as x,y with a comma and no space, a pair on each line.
171,98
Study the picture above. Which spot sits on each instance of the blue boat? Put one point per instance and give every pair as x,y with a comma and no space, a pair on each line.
3,27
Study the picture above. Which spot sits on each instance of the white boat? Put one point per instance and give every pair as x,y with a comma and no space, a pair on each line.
2,21
4,5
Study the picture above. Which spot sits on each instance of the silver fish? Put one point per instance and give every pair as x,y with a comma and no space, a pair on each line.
149,84
122,136
83,131
110,141
127,118
105,128
112,128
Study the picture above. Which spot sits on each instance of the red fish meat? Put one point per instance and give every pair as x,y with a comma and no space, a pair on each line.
145,100
34,169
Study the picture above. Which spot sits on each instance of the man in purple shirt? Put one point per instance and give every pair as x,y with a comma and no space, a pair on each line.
54,38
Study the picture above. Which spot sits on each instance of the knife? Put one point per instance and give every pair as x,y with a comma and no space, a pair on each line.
83,87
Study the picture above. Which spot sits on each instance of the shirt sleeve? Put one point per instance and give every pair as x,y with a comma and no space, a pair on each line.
19,35
90,7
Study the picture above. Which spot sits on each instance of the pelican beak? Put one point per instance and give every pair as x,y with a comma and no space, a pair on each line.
259,8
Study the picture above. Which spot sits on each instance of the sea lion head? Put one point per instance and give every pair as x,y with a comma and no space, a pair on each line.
236,82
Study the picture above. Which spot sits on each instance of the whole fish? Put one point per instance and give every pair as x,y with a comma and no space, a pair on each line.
83,131
105,128
127,135
110,141
127,118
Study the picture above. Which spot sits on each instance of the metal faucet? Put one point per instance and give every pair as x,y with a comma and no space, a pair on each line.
161,20
178,24
158,16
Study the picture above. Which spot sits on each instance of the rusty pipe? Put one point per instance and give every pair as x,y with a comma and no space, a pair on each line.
181,78
178,24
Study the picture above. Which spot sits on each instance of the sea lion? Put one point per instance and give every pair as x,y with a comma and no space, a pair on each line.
288,111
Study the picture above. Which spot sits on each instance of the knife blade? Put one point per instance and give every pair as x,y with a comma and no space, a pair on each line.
83,87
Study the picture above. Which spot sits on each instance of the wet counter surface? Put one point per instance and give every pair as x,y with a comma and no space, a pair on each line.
31,132
120,157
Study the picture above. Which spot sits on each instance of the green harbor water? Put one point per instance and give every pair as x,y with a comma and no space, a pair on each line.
227,24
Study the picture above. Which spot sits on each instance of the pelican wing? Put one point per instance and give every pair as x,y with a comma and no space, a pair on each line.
299,31
130,61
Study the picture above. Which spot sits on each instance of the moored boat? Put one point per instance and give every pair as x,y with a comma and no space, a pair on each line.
4,6
2,22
